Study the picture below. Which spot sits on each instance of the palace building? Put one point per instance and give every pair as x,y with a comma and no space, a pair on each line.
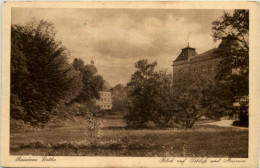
190,60
105,101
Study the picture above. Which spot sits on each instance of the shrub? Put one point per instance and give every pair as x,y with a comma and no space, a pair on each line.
20,126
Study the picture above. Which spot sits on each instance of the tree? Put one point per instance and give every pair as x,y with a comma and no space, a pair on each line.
150,98
78,64
92,82
195,97
156,97
39,71
233,74
139,93
163,106
119,97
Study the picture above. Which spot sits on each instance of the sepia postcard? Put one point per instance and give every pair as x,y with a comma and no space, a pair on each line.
130,84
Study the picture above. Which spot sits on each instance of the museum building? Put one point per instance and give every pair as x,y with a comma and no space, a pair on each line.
190,61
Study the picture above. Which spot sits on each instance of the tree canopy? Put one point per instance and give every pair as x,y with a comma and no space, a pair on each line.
119,97
92,82
159,99
40,73
233,73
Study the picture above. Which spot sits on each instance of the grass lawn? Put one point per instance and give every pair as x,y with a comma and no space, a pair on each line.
114,140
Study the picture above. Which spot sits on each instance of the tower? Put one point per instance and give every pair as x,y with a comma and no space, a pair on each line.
92,61
183,59
186,53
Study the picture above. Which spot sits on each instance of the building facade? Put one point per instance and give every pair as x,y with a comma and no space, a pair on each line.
105,101
190,61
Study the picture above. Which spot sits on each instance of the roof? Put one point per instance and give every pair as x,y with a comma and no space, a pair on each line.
186,53
212,53
190,53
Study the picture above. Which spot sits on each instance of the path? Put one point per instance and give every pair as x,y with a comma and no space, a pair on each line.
224,123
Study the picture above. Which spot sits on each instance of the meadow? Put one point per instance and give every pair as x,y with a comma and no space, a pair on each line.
113,139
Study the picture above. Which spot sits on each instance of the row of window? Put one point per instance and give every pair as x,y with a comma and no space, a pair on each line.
105,94
104,99
203,68
105,106
199,69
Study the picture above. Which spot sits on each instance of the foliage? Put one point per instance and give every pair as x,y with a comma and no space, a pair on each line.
150,97
16,109
195,96
39,71
140,95
87,111
163,104
92,82
233,74
169,102
119,97
78,64
19,125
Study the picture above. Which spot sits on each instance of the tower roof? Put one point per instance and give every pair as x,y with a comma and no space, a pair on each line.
212,53
107,86
92,61
186,53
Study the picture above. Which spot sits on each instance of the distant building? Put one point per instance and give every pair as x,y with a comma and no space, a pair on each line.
105,101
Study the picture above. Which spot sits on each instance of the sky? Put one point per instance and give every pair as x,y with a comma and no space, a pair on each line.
117,38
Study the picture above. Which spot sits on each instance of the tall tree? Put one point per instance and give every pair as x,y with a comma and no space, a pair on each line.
163,106
150,97
139,93
233,74
119,97
92,82
154,97
195,97
39,71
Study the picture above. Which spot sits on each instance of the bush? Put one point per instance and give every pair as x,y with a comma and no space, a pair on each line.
20,126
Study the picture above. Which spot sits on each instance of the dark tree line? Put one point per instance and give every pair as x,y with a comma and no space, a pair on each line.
41,77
